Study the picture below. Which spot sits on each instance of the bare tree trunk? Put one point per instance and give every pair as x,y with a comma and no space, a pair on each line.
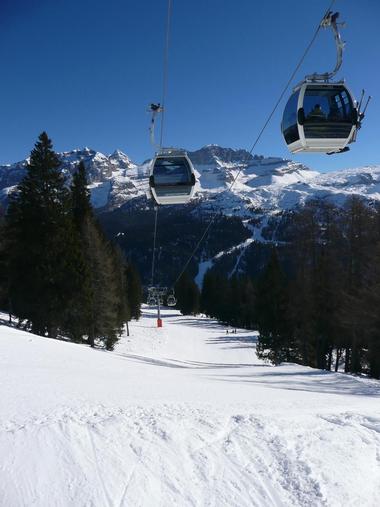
338,356
329,359
347,360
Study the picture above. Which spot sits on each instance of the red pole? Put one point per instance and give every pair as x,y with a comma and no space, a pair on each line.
159,320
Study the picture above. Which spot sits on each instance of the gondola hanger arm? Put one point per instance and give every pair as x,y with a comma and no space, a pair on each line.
330,21
155,110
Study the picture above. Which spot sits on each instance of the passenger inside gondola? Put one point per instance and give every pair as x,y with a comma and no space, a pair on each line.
328,113
316,113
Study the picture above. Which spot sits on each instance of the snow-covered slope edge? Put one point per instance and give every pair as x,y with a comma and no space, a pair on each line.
184,415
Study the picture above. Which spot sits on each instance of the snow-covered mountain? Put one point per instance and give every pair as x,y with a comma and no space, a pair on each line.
251,211
110,176
269,183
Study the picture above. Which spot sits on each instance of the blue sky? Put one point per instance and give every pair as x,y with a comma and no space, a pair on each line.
85,71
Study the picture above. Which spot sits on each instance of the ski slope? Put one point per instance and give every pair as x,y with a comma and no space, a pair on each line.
185,415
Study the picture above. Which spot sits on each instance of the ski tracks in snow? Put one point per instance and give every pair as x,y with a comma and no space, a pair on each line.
99,468
181,455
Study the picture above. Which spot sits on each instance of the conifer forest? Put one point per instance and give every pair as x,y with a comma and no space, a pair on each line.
60,276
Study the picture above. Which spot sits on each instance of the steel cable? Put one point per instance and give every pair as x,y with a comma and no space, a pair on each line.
164,90
308,47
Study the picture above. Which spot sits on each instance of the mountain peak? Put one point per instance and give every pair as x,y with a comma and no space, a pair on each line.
211,152
119,154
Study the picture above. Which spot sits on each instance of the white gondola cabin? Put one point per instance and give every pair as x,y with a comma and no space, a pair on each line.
171,299
151,301
320,117
172,178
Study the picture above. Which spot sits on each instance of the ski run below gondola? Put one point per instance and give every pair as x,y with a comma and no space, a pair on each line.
184,415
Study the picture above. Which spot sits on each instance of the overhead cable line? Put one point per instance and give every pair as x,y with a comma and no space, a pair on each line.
292,76
154,244
163,100
165,70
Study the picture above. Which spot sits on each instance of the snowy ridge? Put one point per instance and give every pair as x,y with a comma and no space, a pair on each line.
268,183
184,415
113,179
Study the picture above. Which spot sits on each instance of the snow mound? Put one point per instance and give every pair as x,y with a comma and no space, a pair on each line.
184,415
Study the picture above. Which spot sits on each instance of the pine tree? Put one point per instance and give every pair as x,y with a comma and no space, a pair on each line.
187,294
209,294
102,300
364,308
121,287
274,325
370,303
81,197
40,245
103,310
214,296
357,228
4,279
248,304
81,210
135,293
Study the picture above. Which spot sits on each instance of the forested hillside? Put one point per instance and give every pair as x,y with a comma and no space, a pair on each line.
316,301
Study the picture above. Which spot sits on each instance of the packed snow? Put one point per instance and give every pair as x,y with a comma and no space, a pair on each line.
100,193
185,415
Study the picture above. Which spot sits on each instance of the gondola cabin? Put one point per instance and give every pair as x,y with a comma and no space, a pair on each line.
171,300
320,117
151,301
172,178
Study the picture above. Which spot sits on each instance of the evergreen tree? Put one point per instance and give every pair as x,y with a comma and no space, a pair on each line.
121,287
370,302
4,279
40,245
135,293
187,294
248,318
81,197
357,225
274,325
214,296
102,301
209,294
364,309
